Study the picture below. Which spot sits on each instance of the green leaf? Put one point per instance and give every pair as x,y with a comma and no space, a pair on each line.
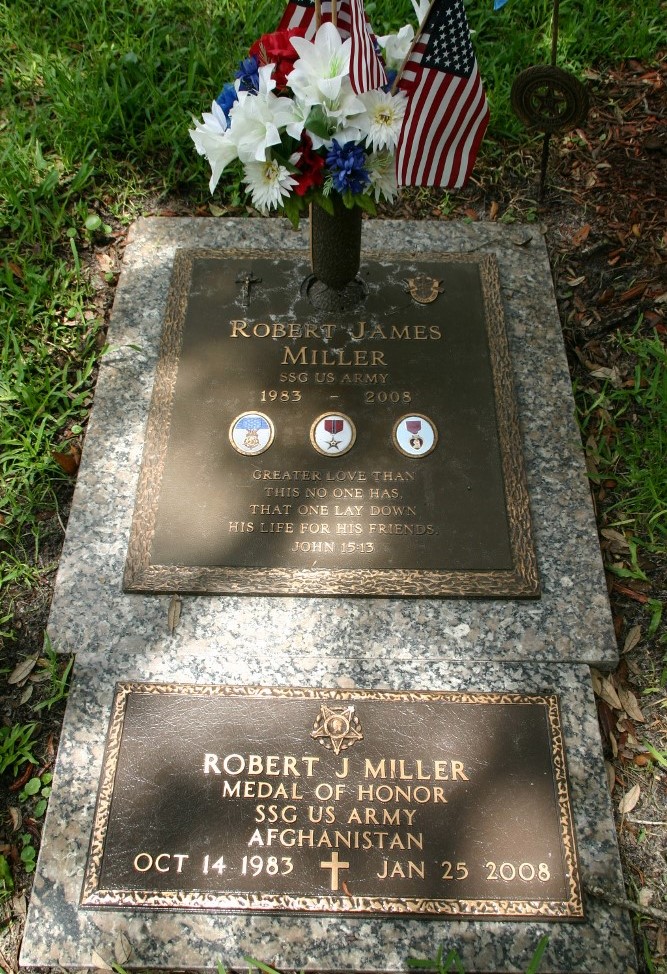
537,956
325,203
659,756
93,222
366,203
32,787
317,122
258,963
6,879
40,808
348,199
28,854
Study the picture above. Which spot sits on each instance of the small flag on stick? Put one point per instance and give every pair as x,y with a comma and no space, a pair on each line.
447,111
366,70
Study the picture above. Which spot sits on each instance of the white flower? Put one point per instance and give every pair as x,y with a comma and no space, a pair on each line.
381,168
268,183
212,138
256,119
383,120
421,8
323,63
396,46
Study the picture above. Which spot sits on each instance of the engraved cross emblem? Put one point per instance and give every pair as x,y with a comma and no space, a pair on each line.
247,279
334,864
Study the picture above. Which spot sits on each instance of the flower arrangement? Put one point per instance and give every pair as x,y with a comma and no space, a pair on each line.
292,120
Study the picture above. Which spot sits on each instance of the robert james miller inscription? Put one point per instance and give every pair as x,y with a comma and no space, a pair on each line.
443,804
292,451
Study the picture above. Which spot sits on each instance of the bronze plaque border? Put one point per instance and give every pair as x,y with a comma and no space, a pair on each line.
521,581
92,896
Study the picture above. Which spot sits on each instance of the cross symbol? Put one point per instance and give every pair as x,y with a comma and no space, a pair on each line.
247,279
334,865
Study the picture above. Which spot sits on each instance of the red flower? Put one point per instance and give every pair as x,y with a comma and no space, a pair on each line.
309,166
277,49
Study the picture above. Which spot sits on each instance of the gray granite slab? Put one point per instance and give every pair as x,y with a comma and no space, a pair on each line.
570,622
60,935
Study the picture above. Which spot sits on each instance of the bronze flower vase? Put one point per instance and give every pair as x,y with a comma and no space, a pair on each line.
335,256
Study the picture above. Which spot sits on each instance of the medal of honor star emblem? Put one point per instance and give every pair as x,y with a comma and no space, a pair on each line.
333,434
415,436
337,728
251,433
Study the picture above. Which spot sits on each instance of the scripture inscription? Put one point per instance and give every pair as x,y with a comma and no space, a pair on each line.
372,453
223,798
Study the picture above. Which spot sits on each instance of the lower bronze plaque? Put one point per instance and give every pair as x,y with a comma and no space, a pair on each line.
367,452
228,798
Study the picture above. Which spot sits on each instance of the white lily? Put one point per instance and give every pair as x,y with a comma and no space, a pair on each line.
323,63
256,119
421,8
212,138
396,46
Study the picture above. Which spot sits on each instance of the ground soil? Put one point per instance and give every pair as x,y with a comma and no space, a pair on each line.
603,212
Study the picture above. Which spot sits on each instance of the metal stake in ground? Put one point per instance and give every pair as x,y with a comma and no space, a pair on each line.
549,99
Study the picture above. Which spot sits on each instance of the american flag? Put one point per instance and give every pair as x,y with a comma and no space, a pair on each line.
447,111
366,71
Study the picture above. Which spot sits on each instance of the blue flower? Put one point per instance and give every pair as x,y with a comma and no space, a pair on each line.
248,72
226,98
391,77
347,165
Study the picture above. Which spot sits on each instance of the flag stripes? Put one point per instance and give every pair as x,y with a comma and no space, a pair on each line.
366,71
447,112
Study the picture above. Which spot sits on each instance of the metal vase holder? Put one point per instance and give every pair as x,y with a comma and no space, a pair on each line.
335,256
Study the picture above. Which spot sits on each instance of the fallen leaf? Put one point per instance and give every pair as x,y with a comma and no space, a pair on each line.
630,705
493,210
106,262
645,896
23,670
217,210
19,905
582,234
16,817
611,776
632,639
613,375
26,695
174,612
69,461
612,535
596,679
609,695
629,800
575,281
99,963
122,949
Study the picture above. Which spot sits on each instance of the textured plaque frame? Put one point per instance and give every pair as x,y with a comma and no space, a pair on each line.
457,558
480,773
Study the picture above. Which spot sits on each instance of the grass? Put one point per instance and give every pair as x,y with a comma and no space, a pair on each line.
625,427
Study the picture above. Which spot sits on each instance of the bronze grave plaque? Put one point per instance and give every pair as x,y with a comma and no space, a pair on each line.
370,452
327,801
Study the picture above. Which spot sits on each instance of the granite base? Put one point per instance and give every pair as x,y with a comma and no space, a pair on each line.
60,935
571,622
